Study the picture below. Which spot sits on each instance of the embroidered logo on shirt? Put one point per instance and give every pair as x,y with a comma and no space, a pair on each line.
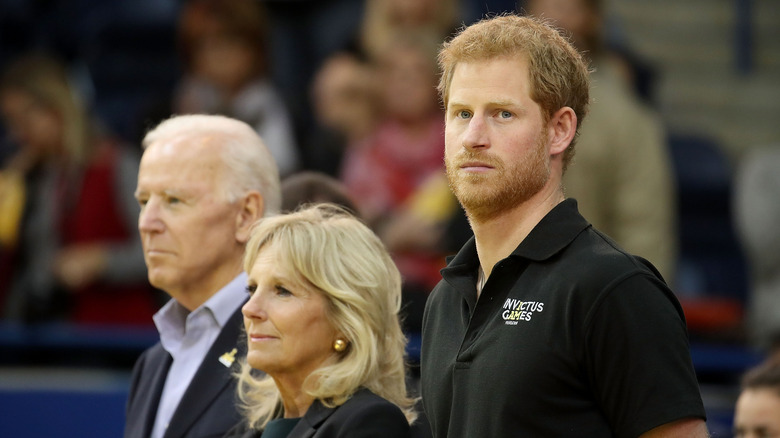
227,359
516,310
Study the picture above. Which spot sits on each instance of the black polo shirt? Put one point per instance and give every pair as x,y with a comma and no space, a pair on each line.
571,337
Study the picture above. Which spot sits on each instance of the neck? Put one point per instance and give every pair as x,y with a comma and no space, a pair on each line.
294,399
194,295
497,237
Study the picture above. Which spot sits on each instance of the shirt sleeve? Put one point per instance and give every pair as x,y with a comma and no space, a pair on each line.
637,357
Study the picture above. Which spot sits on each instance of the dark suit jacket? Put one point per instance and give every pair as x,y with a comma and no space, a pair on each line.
208,406
364,415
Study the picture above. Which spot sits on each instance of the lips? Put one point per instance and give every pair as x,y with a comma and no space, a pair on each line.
259,337
156,251
475,164
470,160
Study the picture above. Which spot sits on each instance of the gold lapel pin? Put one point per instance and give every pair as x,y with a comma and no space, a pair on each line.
227,359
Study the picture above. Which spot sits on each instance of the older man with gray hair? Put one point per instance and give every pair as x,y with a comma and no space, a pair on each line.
203,181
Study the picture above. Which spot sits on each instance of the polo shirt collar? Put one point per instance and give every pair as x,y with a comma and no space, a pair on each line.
552,234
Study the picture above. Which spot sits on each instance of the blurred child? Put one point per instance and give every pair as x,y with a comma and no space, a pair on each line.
224,47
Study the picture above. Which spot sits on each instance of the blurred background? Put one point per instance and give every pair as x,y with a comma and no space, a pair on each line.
685,167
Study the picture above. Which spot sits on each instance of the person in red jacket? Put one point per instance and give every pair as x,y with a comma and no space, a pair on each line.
75,253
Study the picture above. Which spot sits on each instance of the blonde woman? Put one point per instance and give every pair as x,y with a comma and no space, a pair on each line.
72,218
322,324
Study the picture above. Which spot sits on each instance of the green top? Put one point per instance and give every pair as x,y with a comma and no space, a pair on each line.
280,427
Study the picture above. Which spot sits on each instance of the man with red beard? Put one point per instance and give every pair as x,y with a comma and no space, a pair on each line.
541,326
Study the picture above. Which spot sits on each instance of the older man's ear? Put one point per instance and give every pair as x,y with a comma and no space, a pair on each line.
250,211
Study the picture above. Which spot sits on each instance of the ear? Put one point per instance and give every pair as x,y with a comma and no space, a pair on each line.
250,211
562,126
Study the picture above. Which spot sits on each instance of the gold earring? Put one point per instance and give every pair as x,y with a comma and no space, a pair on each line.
340,345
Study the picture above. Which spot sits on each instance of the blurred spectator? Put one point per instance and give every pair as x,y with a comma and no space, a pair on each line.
401,161
71,232
314,187
622,175
757,412
224,46
474,10
345,108
384,20
757,215
383,169
304,33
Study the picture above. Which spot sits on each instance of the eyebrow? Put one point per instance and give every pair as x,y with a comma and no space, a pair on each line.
168,192
504,103
508,103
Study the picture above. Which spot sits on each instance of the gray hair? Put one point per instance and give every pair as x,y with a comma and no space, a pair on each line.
249,164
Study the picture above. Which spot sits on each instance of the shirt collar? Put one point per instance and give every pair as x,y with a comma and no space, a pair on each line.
172,317
554,232
224,303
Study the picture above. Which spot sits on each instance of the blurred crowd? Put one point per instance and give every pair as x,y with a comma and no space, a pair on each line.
343,92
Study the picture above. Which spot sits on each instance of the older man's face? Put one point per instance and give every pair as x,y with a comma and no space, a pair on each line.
187,227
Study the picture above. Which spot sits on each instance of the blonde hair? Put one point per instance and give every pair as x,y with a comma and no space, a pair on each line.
248,162
334,252
558,73
46,81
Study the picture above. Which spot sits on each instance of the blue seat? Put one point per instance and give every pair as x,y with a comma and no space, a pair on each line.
711,260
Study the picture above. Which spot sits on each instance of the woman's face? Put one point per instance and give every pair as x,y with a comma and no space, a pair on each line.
343,95
288,332
409,84
36,128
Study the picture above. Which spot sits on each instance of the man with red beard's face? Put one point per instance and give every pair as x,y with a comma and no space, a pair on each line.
542,325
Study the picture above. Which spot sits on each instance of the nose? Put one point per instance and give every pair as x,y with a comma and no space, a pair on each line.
476,134
254,308
149,218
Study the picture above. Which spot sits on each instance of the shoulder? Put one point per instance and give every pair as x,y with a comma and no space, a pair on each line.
147,368
365,401
594,270
602,261
150,360
366,414
150,356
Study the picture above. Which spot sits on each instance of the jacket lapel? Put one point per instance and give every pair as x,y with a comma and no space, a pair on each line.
211,379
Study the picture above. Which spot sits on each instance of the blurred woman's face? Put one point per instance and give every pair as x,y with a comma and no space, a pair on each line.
409,84
288,333
343,96
413,12
36,128
573,16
